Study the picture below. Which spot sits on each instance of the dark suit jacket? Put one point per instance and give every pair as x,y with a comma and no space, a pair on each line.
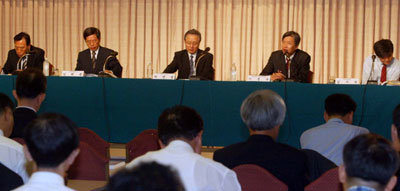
9,179
204,68
22,117
284,162
299,66
85,62
34,60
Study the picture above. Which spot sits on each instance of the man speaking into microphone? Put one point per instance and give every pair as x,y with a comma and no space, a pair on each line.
290,62
192,62
96,58
24,55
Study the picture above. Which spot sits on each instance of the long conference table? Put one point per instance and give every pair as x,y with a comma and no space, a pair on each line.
119,109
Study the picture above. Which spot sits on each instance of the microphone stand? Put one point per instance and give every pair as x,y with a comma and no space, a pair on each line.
369,81
106,74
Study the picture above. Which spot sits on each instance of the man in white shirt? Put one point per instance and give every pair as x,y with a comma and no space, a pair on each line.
11,152
180,131
382,67
52,143
369,164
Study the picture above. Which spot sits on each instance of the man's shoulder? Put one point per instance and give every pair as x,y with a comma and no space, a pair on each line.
84,51
302,53
11,145
106,50
181,52
37,49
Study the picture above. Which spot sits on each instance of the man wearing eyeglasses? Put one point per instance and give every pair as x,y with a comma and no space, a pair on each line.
96,58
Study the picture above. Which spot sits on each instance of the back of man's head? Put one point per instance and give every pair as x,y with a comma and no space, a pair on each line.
146,177
339,104
371,158
179,122
383,48
263,110
396,119
50,139
30,83
6,108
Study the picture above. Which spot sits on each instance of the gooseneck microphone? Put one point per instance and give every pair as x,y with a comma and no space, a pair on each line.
372,69
112,54
205,52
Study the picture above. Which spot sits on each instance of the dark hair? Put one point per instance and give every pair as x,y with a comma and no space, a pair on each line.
383,48
146,177
51,138
396,118
30,83
193,31
91,30
179,122
339,104
5,102
293,34
22,35
371,158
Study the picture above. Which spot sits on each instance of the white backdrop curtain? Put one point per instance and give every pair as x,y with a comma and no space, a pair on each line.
338,34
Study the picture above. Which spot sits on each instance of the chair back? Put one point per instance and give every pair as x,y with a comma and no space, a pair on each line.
89,164
95,141
146,141
254,178
329,181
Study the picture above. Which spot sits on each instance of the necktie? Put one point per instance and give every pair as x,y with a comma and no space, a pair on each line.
383,73
288,66
93,59
23,64
191,65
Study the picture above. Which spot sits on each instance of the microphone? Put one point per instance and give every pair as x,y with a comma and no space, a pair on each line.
206,50
372,70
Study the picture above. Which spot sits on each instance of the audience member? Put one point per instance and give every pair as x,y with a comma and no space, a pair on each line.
395,132
9,179
11,152
330,138
263,112
146,177
369,164
30,91
52,143
180,131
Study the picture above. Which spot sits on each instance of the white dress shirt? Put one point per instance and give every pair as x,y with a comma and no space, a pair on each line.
196,172
12,156
392,70
43,181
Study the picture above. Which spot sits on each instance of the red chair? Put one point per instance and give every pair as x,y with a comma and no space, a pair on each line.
95,141
146,141
329,181
19,140
254,178
89,164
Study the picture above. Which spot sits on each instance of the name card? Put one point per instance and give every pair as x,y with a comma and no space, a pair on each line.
164,76
347,81
73,73
252,78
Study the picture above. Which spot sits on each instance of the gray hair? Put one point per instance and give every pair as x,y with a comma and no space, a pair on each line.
263,110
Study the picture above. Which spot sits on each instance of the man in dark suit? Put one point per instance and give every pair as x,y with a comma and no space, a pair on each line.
290,62
97,59
192,61
263,112
10,180
24,55
30,91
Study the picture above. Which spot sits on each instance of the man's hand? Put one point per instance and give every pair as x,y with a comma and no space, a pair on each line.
277,76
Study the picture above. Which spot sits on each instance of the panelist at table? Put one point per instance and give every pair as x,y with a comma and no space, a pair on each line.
93,60
192,62
290,62
24,55
382,67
